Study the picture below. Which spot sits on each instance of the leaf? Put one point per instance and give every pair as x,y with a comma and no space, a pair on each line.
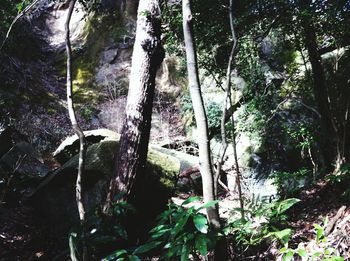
201,223
161,233
319,232
208,204
288,256
302,252
286,204
115,255
201,244
283,235
134,258
146,247
283,250
180,224
185,252
158,228
190,200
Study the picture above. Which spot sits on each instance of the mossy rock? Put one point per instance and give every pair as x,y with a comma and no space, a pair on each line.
57,192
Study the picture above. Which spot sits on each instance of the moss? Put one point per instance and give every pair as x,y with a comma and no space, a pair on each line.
166,165
100,159
99,31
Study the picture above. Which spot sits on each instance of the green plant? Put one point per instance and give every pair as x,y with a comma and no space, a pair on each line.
317,249
101,228
262,221
290,182
87,113
182,231
214,114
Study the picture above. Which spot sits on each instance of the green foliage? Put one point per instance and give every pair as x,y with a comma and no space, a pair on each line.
122,255
302,133
290,182
22,5
214,114
182,230
87,112
262,221
101,228
187,112
318,249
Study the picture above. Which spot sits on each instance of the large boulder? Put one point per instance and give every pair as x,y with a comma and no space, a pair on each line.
55,197
70,146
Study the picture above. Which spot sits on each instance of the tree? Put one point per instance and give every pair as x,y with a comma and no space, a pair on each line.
205,165
148,54
76,127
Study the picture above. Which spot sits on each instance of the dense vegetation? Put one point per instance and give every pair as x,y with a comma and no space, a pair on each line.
234,139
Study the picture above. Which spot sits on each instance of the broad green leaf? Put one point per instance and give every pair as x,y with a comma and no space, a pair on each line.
115,255
185,252
283,235
180,224
134,258
283,250
146,247
189,200
201,223
288,256
302,252
286,204
201,244
161,233
208,204
158,228
319,232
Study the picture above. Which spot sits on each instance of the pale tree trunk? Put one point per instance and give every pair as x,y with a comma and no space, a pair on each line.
234,144
224,144
75,125
205,165
148,54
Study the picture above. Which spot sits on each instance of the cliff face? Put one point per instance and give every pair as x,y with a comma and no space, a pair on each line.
33,94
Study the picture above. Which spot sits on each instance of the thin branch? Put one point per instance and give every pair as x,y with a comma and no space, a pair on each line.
21,14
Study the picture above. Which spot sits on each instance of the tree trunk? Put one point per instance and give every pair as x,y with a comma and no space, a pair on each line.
148,54
205,164
72,116
319,85
76,127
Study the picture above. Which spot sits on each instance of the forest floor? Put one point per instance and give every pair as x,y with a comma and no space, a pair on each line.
24,235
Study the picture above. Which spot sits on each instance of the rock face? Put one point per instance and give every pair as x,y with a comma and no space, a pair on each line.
55,197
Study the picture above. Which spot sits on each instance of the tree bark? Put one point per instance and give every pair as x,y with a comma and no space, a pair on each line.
72,116
205,164
148,54
234,144
76,127
319,84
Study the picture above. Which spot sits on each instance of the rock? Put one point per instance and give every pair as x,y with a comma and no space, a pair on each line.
55,197
70,146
